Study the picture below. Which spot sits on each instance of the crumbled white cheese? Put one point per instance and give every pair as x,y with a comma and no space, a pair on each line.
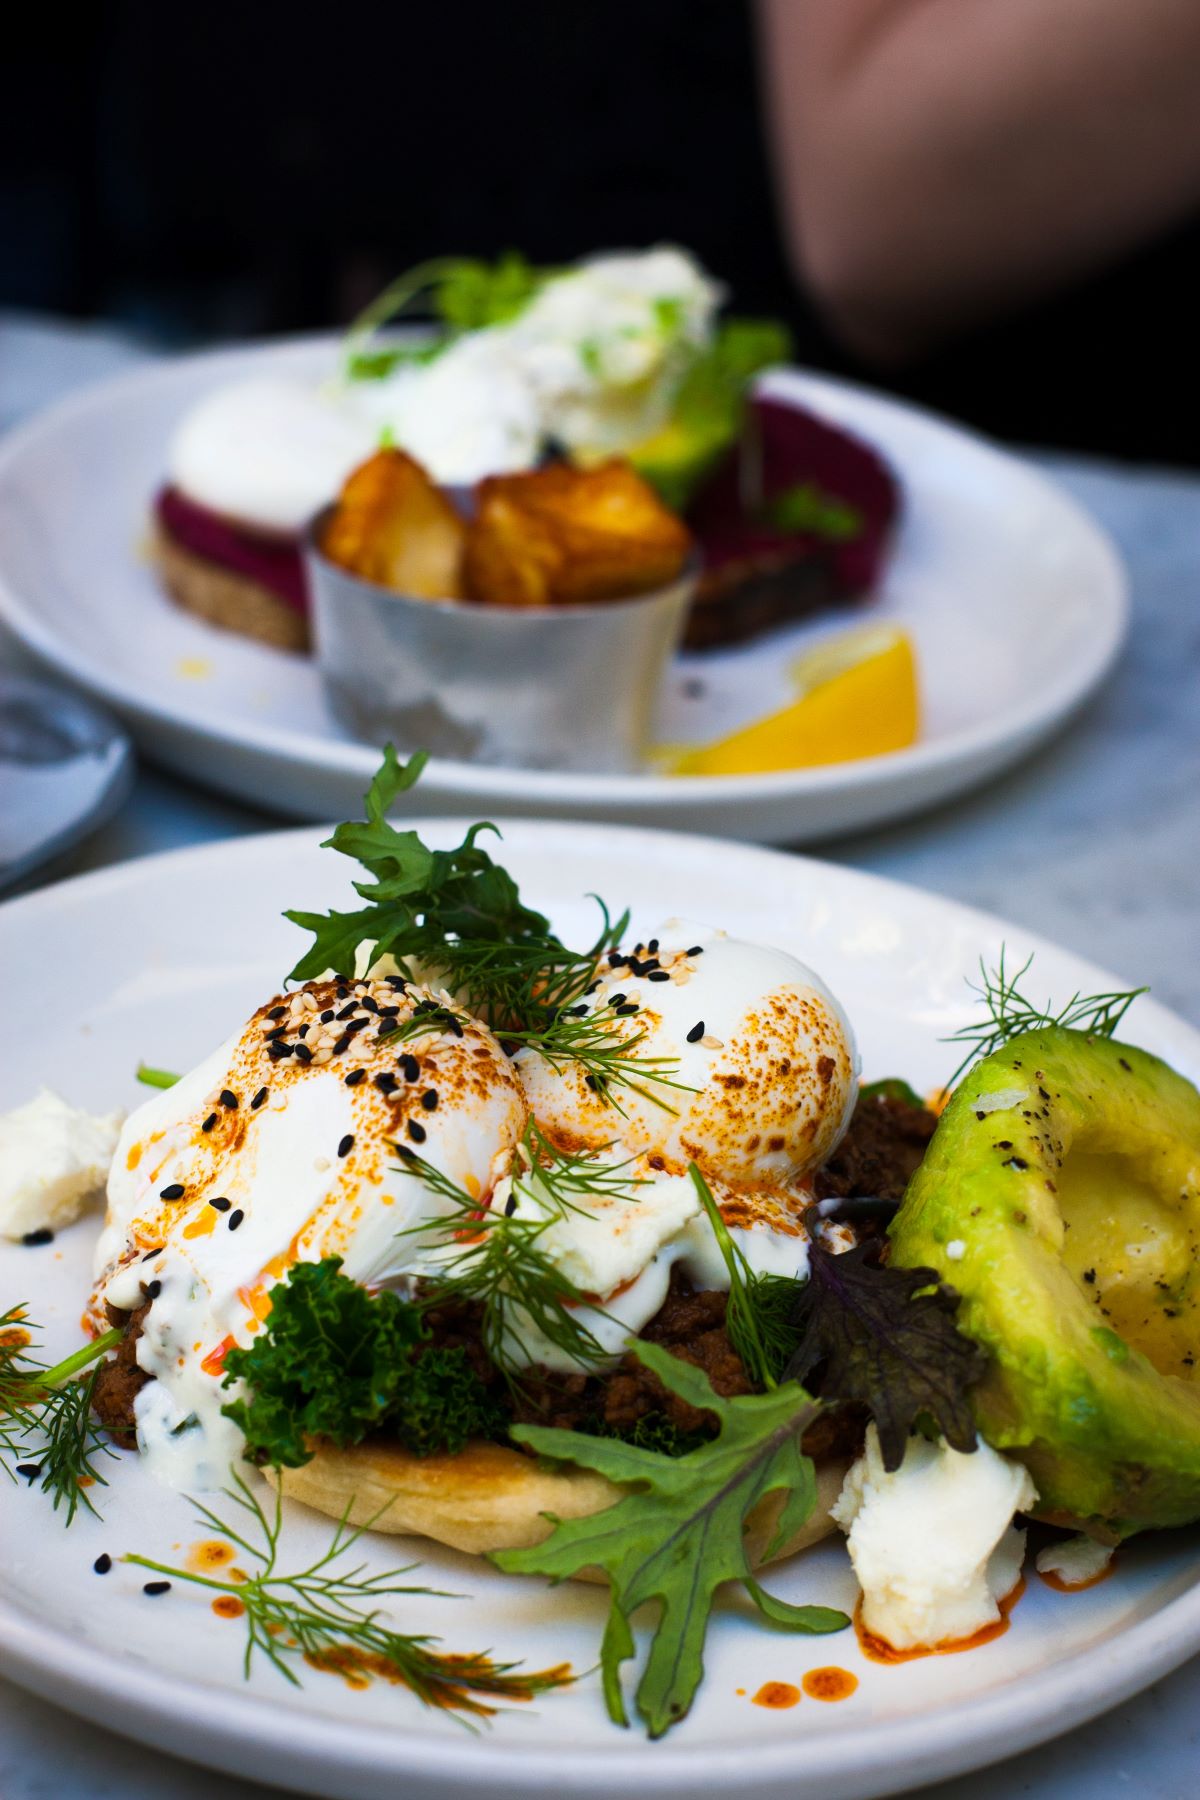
956,1249
53,1160
1076,1560
933,1543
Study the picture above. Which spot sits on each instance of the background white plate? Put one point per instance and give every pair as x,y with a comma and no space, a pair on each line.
1016,600
155,959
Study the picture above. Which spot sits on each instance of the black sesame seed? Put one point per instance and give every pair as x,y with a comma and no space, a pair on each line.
590,1081
152,1290
416,1132
279,1051
209,1122
355,1076
387,1084
404,1151
303,1032
174,1191
354,1026
235,1218
103,1563
658,975
273,1037
341,991
220,1204
349,1011
369,1005
277,1012
31,1471
411,1067
343,1044
229,1099
304,1054
151,1254
696,1033
424,1006
454,1025
510,1206
346,1145
259,1099
397,984
623,1012
33,1239
155,1588
696,950
389,1012
616,999
327,1015
429,1099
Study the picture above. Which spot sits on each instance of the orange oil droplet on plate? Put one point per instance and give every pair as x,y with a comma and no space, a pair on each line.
228,1606
778,1695
210,1553
829,1684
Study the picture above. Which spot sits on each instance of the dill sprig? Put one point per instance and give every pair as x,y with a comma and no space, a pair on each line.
758,1315
330,1616
46,1417
604,1046
1007,1012
498,1260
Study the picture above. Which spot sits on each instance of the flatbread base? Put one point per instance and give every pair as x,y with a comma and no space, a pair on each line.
231,601
490,1497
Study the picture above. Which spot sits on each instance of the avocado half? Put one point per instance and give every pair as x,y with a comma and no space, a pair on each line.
1060,1196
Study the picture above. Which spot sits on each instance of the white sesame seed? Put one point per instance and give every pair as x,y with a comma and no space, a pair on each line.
712,1043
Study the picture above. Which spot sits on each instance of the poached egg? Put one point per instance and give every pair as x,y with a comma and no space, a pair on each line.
277,1149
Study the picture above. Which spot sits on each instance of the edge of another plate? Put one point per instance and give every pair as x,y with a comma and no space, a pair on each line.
310,777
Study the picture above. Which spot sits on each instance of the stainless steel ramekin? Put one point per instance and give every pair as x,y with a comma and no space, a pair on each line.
553,687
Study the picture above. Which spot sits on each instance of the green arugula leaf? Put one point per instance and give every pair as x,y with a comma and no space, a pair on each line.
885,1338
678,1534
335,1362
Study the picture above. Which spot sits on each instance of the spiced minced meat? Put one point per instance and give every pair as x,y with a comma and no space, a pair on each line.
880,1152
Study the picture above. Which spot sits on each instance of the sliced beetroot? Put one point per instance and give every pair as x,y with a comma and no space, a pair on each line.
800,516
273,562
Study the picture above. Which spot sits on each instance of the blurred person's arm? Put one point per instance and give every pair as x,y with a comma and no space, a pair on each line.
941,161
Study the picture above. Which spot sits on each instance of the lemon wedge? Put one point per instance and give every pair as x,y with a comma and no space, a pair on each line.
857,697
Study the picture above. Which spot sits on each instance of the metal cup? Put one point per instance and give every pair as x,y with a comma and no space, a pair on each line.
534,687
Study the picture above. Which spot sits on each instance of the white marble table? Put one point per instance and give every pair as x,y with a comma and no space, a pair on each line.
1095,842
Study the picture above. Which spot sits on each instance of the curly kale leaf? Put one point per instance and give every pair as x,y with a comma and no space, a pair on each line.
885,1337
677,1535
337,1363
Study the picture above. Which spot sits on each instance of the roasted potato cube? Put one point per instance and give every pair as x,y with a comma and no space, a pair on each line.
565,534
393,526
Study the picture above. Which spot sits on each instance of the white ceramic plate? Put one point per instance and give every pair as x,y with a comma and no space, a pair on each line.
1016,601
156,959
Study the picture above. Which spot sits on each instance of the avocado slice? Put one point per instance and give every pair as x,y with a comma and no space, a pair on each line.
1060,1196
678,457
